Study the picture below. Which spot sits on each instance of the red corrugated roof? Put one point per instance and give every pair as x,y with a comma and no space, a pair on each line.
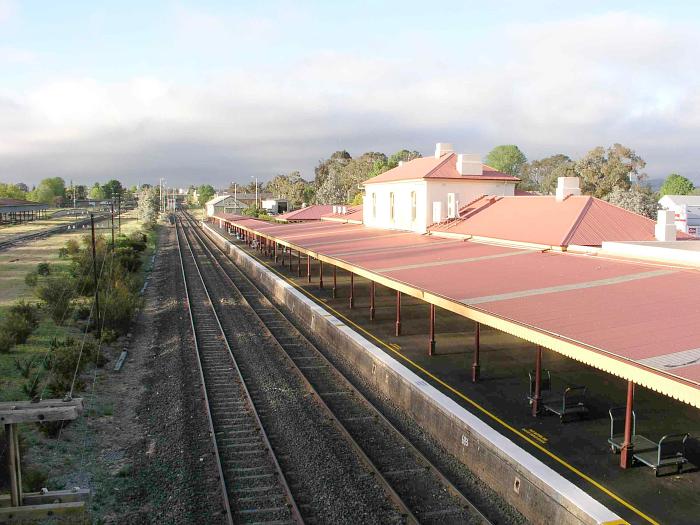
581,220
431,168
310,213
639,314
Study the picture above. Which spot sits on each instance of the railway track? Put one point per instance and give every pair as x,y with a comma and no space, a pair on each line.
414,484
252,481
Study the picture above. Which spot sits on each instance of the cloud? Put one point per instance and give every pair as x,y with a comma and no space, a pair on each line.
8,9
564,86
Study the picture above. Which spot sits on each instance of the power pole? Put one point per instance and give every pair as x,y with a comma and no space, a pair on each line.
112,213
94,271
119,213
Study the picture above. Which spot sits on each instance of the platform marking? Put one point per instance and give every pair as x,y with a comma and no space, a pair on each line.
468,400
536,435
395,346
565,287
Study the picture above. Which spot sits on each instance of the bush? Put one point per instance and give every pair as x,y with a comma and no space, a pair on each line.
31,279
26,310
6,342
43,269
129,259
72,247
17,327
58,293
63,358
119,305
82,312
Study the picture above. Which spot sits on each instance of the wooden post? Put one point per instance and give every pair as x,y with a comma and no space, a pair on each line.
308,267
10,431
275,243
627,445
298,263
352,290
94,271
398,313
431,342
538,383
320,274
335,281
475,363
371,300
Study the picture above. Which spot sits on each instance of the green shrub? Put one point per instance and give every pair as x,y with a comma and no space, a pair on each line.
6,342
34,479
63,358
25,366
119,305
31,279
26,310
57,292
43,268
128,258
17,327
82,312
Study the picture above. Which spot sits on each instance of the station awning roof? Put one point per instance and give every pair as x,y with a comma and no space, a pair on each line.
634,320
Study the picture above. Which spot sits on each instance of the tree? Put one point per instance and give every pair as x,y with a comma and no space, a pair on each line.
48,189
112,188
336,162
333,190
637,199
507,158
205,192
602,170
97,192
11,191
676,185
541,175
148,206
290,187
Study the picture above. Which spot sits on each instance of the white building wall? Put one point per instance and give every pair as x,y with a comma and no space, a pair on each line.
427,192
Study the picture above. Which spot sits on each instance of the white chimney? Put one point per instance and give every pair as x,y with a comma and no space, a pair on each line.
665,227
567,186
441,148
400,163
469,164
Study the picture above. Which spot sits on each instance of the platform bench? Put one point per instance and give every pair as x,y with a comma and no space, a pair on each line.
572,402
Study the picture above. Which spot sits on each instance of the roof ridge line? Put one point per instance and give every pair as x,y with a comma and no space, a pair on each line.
578,220
439,165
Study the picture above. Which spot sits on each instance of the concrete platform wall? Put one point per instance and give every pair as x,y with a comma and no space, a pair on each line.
537,491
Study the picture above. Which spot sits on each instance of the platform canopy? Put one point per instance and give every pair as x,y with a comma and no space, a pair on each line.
635,320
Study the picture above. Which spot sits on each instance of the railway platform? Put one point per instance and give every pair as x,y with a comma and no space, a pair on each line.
578,448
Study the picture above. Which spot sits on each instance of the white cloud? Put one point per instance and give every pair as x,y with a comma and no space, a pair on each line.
553,87
8,8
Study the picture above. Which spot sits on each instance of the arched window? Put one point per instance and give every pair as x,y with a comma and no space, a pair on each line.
391,206
374,205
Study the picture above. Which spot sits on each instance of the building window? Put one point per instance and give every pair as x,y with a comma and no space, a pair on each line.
391,206
413,206
374,205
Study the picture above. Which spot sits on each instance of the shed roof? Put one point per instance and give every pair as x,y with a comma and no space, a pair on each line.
688,200
431,168
579,220
310,213
216,200
632,319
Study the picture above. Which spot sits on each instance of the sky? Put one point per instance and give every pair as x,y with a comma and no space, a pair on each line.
222,91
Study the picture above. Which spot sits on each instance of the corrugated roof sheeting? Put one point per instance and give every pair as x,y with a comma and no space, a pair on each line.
606,313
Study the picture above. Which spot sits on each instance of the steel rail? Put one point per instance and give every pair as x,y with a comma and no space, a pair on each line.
293,509
454,491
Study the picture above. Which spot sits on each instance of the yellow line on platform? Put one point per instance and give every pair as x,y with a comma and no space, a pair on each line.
463,396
